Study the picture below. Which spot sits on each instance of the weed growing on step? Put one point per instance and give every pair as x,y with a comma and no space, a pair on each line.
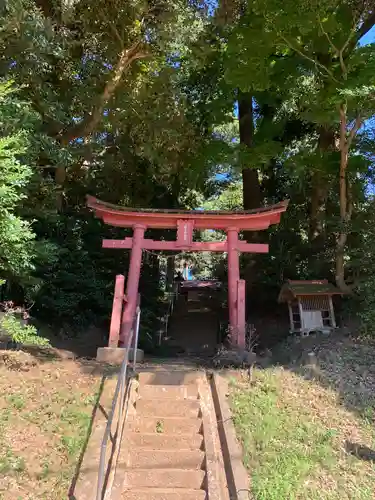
10,463
159,427
16,401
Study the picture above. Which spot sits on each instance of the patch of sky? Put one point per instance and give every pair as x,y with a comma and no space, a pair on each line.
369,124
174,60
368,38
211,6
222,176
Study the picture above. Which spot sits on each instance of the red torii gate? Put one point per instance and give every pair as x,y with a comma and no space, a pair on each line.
185,221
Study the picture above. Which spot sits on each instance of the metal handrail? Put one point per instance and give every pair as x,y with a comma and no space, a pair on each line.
119,391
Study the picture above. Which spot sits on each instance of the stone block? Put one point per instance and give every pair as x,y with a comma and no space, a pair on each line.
115,355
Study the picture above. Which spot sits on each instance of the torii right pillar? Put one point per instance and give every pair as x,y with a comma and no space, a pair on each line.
236,292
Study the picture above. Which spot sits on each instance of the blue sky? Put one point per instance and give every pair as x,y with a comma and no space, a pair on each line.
368,38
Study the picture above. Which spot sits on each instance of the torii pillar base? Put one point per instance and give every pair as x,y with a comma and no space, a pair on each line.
115,355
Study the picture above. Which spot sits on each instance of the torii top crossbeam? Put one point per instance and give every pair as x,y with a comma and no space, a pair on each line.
249,220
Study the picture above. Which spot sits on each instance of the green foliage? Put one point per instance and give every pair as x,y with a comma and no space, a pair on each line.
75,279
366,304
363,301
21,334
16,250
229,199
139,152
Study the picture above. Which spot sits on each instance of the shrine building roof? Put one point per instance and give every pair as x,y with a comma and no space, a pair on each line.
293,289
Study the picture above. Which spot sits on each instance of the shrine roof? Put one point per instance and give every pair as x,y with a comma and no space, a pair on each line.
116,215
293,289
199,284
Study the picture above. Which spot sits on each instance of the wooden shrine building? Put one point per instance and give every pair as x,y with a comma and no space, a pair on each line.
184,222
310,305
195,288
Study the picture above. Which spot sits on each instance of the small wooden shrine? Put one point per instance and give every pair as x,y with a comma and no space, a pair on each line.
310,305
196,288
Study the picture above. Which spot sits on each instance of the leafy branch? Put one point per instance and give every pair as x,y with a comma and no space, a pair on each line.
306,56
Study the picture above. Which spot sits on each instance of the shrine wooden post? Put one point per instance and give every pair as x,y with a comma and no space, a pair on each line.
184,222
233,277
241,314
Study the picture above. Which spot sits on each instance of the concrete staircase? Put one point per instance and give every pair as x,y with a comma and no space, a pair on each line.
170,448
194,327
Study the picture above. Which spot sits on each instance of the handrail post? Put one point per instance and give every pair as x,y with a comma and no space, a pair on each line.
136,337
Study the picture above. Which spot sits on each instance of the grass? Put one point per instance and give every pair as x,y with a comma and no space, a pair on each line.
294,434
45,414
159,427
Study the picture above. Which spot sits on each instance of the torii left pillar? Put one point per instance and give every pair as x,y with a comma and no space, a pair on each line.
236,291
132,283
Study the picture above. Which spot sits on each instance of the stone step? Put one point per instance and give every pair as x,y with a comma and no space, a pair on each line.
176,392
165,459
173,425
163,408
170,377
164,494
162,441
160,478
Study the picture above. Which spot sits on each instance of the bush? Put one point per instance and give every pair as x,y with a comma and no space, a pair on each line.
21,334
363,301
16,234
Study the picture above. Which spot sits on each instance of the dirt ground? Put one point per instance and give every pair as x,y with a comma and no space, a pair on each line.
46,409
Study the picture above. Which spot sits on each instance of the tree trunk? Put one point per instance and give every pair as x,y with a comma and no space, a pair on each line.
319,190
90,122
345,206
250,178
47,7
60,177
227,11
